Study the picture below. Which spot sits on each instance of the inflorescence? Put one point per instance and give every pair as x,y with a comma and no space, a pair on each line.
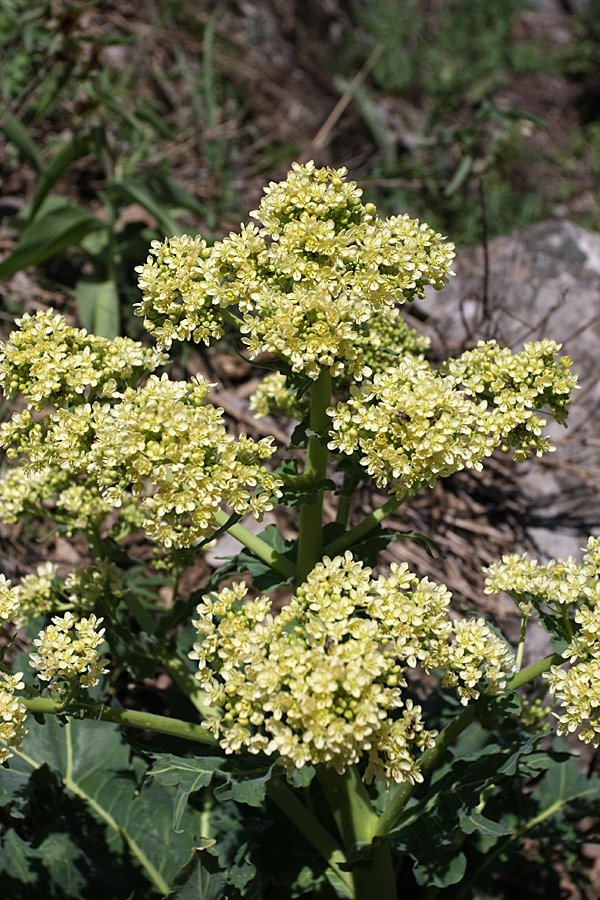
112,441
570,593
412,424
306,282
322,682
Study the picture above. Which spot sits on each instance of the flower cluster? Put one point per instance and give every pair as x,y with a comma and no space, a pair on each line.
160,441
67,650
516,386
321,265
474,654
50,362
555,588
12,714
24,492
85,587
38,593
163,437
274,397
557,584
415,425
322,681
179,282
9,603
51,492
386,335
577,689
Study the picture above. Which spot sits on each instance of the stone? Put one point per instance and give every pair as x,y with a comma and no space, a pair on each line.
543,282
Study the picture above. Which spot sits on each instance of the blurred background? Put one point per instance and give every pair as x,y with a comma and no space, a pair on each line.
125,121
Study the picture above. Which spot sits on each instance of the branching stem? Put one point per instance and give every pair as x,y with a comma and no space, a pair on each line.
129,718
260,548
393,811
310,540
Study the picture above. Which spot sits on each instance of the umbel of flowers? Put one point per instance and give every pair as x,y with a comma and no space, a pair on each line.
159,442
307,282
323,681
570,592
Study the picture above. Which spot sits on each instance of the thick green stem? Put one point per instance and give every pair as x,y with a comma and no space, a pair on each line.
310,541
310,827
393,811
343,510
129,718
260,548
347,541
357,822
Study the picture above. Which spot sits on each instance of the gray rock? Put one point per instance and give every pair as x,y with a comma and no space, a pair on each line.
540,283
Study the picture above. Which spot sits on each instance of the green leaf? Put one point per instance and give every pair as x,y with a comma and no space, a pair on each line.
49,235
74,149
139,652
98,306
474,821
19,136
172,195
134,190
369,548
441,869
460,176
188,775
202,878
238,778
98,779
565,784
291,496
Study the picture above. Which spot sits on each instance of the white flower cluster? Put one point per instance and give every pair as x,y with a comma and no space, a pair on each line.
412,424
67,650
12,714
323,681
559,588
306,282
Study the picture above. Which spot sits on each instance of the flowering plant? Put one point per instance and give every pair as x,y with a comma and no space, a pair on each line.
365,715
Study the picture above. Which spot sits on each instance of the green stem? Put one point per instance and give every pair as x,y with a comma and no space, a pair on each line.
128,718
310,540
357,822
393,811
492,855
348,540
260,548
310,827
178,671
521,647
343,510
229,317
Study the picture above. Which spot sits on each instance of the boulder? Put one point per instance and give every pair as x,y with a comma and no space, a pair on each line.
543,282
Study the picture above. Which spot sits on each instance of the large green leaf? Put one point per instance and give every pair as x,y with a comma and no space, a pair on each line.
98,306
101,783
68,153
19,136
48,235
238,778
